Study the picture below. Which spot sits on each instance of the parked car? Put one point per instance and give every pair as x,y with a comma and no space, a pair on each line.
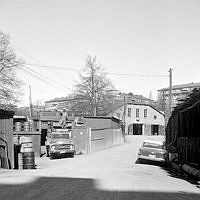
152,150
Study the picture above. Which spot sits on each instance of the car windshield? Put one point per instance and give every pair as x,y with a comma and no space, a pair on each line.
153,145
58,136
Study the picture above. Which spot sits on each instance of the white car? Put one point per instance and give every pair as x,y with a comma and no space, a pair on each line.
153,150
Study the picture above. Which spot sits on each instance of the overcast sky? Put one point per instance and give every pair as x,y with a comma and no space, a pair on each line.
133,37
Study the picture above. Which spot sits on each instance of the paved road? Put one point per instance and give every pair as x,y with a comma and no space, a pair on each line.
109,174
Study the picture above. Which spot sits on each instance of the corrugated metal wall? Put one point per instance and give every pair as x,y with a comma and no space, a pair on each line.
87,140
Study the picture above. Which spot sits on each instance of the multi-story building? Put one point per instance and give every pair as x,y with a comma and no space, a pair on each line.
140,119
178,92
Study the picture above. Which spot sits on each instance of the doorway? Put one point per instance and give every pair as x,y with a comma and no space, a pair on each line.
137,129
43,136
154,129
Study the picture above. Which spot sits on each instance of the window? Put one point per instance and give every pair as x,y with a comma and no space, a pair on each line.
129,112
145,112
137,112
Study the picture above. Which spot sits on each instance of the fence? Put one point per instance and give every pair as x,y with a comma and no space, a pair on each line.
6,139
88,140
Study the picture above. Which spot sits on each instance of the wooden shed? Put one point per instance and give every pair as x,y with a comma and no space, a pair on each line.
6,139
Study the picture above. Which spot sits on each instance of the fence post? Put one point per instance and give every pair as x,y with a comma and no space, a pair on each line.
89,139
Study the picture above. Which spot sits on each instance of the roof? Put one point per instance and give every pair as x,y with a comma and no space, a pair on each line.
101,117
19,117
62,99
154,141
138,104
187,85
6,113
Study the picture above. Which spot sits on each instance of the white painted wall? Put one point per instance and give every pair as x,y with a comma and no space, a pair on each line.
153,116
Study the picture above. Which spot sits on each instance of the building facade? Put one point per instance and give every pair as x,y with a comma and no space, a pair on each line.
140,119
178,92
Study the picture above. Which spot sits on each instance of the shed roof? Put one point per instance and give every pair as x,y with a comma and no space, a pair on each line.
6,113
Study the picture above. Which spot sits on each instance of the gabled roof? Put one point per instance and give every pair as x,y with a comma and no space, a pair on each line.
62,99
134,103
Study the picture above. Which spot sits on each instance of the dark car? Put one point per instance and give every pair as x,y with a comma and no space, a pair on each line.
152,150
61,144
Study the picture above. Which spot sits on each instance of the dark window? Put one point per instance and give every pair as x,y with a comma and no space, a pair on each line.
137,112
129,112
145,112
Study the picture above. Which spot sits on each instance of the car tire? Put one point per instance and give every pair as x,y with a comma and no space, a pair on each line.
72,156
140,161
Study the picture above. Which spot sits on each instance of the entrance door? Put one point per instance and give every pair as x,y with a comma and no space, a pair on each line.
137,129
154,129
43,136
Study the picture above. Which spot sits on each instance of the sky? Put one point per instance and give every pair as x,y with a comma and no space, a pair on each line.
136,41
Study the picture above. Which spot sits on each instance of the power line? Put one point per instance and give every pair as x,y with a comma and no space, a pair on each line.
76,70
45,79
38,75
53,67
139,75
26,53
72,69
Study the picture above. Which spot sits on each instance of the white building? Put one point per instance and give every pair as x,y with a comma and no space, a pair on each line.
140,119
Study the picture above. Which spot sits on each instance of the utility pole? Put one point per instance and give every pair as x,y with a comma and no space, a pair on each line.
124,118
30,105
170,91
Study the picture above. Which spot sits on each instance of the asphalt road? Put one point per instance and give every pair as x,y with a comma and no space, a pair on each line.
110,174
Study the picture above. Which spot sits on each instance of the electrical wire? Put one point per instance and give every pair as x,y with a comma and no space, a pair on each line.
76,70
45,79
139,75
53,67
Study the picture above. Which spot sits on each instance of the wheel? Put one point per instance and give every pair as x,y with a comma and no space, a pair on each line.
139,161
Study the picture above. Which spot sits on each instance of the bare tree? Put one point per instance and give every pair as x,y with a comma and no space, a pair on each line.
9,84
90,92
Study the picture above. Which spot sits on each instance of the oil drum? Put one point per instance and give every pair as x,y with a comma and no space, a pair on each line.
26,126
18,126
26,160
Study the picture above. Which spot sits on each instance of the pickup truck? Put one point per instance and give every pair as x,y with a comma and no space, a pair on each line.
61,144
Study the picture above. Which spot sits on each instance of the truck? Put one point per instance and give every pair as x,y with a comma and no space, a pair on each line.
61,144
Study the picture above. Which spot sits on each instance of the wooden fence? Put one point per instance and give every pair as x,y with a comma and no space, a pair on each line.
189,149
6,139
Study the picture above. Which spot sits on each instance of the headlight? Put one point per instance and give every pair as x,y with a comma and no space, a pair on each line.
52,147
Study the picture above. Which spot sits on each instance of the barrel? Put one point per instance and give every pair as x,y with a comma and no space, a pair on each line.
18,126
26,160
26,126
